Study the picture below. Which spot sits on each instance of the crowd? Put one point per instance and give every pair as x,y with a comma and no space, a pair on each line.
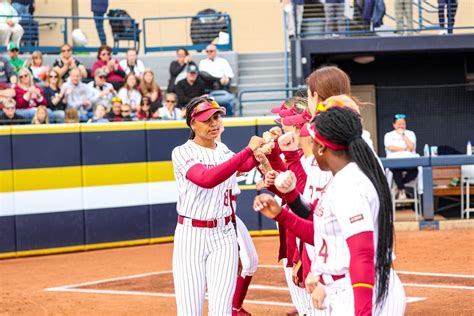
111,91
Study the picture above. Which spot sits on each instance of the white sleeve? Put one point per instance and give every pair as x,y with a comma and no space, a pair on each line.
182,160
141,67
352,210
123,65
228,70
412,137
122,94
202,65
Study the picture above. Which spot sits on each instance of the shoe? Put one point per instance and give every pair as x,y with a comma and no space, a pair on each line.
402,195
443,32
240,312
293,312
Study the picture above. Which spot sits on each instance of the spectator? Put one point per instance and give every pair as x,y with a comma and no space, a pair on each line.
39,71
23,7
149,88
41,116
98,8
170,111
450,7
115,115
288,6
215,71
404,16
71,116
16,62
401,143
132,65
127,113
6,91
99,114
334,12
66,63
190,87
145,113
104,89
129,92
28,95
178,68
10,28
8,116
111,66
79,95
7,74
54,96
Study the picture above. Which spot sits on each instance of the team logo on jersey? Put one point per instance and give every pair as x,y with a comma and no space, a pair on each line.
356,218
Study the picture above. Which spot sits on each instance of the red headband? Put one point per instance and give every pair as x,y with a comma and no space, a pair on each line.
326,142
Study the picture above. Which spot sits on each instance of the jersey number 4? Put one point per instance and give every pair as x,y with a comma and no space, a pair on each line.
323,252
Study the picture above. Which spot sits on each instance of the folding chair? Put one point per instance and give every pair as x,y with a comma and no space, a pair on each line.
467,179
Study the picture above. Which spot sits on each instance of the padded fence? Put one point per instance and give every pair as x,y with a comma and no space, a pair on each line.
77,187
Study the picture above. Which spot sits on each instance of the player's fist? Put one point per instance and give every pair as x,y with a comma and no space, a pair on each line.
267,136
288,142
255,142
285,182
318,296
270,178
260,185
276,132
260,156
266,204
268,147
311,282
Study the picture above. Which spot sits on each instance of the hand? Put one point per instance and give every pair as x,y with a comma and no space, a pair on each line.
267,148
285,182
187,59
270,178
260,185
266,204
400,131
267,136
276,132
288,142
294,273
311,282
318,296
255,143
260,156
111,63
86,103
10,23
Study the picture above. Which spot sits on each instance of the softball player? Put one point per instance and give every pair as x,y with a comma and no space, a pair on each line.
205,245
348,232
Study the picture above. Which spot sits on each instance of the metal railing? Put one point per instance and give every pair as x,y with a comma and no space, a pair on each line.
193,32
63,24
256,91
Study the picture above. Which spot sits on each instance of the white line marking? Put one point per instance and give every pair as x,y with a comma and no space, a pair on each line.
267,287
438,286
447,275
415,299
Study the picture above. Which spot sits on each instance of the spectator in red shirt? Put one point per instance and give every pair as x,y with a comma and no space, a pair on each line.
149,88
28,95
111,66
144,113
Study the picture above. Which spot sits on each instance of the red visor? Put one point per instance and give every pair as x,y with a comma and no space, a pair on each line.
205,110
277,109
297,119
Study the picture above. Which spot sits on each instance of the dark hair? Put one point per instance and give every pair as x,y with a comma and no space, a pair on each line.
184,50
104,47
189,111
343,126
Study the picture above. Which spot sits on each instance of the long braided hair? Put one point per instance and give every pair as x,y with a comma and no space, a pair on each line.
189,111
343,126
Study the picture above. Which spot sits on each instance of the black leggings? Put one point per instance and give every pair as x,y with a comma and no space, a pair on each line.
401,180
451,7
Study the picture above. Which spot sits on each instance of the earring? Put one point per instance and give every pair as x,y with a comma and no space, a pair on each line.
320,152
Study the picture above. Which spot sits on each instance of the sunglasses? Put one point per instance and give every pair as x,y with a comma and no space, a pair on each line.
170,101
126,111
65,50
23,76
400,116
146,104
9,108
105,54
210,51
14,50
101,77
53,76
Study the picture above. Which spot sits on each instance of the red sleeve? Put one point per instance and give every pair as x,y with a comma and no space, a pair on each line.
275,160
211,177
95,67
302,228
249,164
21,103
293,162
362,271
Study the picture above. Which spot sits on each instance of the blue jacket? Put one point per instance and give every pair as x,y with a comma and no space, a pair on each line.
379,13
368,10
99,6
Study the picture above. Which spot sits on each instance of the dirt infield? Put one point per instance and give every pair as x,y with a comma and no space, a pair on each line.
437,268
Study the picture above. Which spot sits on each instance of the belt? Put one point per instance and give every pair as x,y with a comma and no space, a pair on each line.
326,279
213,223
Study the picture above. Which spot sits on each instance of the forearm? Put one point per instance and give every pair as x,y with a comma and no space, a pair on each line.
302,228
293,161
275,160
249,164
211,177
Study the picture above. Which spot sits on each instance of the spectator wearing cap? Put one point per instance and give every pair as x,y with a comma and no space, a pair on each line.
129,92
178,67
9,24
28,95
66,63
7,77
115,114
104,90
215,71
8,116
149,88
115,73
54,96
190,87
131,64
79,95
16,62
170,111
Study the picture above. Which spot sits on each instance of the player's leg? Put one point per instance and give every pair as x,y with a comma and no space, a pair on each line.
395,303
300,298
189,271
249,258
221,269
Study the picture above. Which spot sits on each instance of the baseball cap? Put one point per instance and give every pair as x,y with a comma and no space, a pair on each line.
101,72
205,110
12,46
297,119
192,68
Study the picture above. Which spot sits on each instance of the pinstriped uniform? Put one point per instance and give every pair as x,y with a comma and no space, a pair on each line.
203,257
349,206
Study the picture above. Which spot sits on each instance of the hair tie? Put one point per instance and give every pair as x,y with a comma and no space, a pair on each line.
350,140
